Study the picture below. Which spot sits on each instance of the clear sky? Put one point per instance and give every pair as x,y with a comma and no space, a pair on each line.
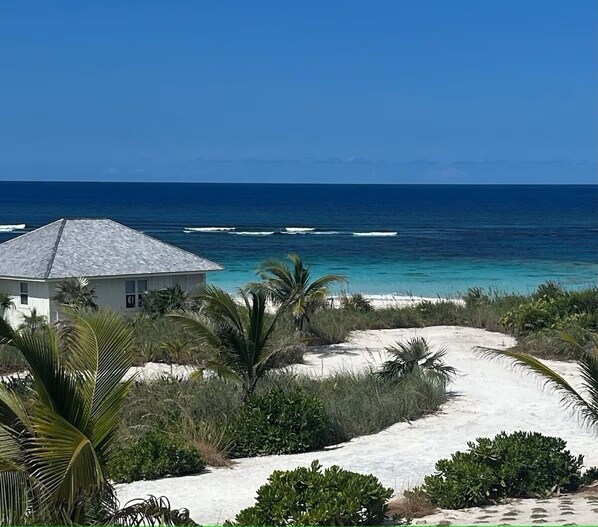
397,91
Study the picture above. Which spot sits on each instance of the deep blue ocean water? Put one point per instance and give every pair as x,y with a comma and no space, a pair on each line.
419,239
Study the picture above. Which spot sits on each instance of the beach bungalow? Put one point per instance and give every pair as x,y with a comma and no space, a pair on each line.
119,262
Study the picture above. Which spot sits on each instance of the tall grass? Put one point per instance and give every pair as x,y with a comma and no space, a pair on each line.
200,412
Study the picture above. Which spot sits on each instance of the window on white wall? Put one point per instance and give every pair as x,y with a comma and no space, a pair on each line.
134,290
24,293
141,288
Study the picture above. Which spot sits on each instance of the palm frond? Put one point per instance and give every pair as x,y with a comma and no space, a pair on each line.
570,397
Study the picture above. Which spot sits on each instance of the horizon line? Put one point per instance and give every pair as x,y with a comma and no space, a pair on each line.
429,184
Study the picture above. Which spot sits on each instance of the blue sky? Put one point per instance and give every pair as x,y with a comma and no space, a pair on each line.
402,91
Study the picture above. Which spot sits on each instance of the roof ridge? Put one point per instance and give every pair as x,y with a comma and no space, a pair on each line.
55,249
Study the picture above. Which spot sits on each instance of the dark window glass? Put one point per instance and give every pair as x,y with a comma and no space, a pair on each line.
24,293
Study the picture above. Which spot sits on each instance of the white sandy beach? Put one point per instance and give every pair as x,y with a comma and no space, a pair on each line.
490,398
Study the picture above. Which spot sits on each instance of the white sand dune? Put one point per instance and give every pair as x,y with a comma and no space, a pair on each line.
490,398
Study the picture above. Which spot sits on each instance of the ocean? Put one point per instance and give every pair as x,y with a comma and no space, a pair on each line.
424,240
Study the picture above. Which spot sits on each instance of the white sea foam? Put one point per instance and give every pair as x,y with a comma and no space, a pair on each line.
11,228
209,229
298,230
375,233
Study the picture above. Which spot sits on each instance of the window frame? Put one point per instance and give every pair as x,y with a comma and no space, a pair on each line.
24,293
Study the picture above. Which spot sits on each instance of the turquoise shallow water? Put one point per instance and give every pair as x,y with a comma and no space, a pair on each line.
425,240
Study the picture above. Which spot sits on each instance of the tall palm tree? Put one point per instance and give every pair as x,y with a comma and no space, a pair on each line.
240,334
292,285
584,401
415,355
55,440
75,293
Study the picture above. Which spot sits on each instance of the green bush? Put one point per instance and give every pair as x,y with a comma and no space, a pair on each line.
308,496
517,465
554,308
280,422
152,456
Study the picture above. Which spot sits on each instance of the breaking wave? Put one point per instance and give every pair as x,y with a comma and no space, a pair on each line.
376,233
11,228
209,229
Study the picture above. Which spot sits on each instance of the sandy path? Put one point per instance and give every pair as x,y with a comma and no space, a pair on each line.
491,398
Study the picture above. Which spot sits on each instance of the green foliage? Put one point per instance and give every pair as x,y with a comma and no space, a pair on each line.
292,285
57,434
150,511
310,496
152,456
355,404
280,422
551,307
6,302
159,302
357,302
416,357
517,465
241,335
75,293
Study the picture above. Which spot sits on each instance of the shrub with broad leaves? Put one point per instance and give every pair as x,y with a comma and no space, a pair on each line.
310,496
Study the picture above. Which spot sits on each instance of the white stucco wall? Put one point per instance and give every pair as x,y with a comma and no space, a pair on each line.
39,298
110,293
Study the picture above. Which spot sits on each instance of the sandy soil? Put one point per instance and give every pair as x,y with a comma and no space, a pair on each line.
568,509
489,398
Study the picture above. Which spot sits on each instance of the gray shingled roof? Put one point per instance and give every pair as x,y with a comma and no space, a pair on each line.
93,247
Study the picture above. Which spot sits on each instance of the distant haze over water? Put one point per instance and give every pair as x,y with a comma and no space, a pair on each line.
426,240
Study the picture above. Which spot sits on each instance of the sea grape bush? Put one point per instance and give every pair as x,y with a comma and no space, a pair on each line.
152,456
280,422
517,465
310,496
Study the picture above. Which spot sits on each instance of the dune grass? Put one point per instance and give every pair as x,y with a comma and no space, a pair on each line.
201,412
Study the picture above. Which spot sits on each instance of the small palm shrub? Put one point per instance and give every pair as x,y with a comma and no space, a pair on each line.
416,357
517,465
152,456
159,302
310,496
280,422
357,302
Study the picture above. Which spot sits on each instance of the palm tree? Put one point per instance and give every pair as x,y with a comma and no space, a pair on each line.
6,303
56,439
75,293
33,322
240,334
292,285
583,401
416,356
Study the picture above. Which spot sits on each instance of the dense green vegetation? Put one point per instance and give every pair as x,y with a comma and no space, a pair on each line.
312,496
517,465
280,422
153,455
58,429
288,413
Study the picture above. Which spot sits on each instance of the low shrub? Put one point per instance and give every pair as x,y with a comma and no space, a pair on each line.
310,496
551,307
152,456
517,465
280,422
357,302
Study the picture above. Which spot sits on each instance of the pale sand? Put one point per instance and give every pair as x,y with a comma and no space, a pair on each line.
567,509
491,398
